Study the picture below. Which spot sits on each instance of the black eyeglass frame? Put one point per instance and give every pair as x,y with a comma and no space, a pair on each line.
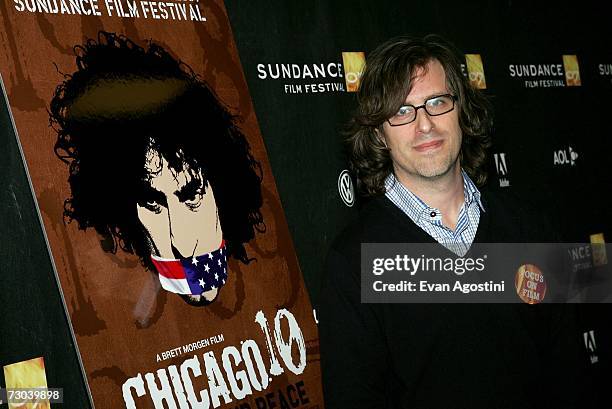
454,98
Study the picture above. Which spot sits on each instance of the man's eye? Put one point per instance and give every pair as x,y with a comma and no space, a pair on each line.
437,102
153,206
195,200
405,110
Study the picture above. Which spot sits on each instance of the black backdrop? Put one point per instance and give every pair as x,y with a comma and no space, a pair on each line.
536,128
301,130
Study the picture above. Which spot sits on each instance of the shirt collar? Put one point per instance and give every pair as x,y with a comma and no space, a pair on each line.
470,191
414,207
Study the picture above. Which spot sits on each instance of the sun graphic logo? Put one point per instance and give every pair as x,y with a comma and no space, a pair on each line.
572,71
475,71
353,62
25,378
598,249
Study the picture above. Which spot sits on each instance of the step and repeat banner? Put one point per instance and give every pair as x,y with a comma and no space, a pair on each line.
170,249
547,69
186,161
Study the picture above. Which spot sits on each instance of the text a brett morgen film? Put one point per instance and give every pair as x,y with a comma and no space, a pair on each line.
187,348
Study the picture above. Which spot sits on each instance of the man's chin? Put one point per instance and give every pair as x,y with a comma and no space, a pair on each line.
433,171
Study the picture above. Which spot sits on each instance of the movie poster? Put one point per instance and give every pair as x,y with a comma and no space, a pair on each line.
159,205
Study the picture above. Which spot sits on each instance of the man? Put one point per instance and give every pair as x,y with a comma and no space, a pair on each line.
418,147
157,165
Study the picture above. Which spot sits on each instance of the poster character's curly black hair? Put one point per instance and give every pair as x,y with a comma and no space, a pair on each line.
123,100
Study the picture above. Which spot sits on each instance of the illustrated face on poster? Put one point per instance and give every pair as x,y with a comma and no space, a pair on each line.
157,165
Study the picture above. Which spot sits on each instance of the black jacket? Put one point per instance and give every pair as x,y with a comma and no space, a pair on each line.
444,355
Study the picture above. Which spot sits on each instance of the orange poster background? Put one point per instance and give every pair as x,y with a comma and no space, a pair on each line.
120,317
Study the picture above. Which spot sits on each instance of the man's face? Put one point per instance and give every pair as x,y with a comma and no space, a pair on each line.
427,148
178,210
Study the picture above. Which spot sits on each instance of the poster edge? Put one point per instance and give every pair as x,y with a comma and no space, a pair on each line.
47,244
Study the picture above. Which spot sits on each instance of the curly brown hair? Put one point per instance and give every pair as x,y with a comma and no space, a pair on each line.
385,83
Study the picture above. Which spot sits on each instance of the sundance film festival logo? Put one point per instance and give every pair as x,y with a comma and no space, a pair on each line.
605,71
581,257
502,169
562,74
316,78
565,157
305,78
587,256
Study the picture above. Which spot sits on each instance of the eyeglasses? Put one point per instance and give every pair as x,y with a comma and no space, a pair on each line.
439,105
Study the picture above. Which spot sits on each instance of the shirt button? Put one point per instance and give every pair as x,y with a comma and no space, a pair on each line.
432,214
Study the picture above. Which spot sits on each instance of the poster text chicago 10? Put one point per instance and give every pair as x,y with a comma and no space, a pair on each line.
240,372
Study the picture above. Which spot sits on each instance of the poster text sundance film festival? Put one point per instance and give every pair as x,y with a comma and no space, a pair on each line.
155,10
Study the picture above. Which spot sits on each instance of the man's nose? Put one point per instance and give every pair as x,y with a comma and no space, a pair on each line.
182,237
424,124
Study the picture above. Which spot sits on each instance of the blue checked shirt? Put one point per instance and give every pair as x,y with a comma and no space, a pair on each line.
430,219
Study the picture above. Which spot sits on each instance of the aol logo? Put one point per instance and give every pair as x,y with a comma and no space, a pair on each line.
565,157
345,188
502,169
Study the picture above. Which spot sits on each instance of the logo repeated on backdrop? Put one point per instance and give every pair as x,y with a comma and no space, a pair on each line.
547,75
566,156
354,62
502,169
590,345
317,77
572,71
27,376
605,71
345,188
475,71
598,246
304,78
